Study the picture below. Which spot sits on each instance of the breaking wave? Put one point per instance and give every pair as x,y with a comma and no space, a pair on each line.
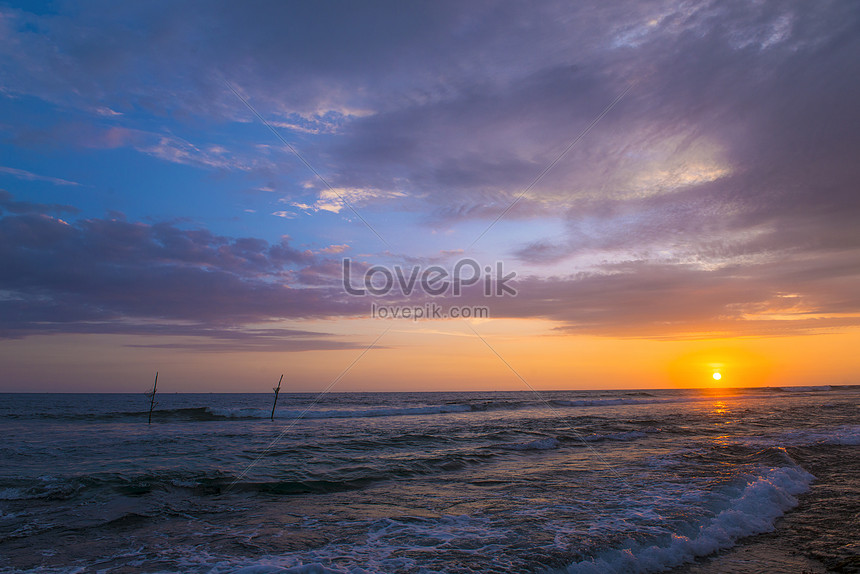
763,500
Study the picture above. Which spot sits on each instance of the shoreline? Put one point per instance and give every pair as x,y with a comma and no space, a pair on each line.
756,554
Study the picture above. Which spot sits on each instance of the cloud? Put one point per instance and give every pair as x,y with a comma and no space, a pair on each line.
334,249
164,146
724,180
670,300
211,292
178,150
100,275
462,125
29,176
336,199
9,204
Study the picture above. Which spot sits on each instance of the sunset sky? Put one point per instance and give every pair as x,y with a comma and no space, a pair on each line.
676,186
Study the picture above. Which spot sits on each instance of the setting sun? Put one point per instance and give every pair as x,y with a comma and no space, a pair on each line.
717,376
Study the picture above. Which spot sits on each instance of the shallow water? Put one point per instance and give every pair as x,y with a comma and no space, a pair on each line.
597,481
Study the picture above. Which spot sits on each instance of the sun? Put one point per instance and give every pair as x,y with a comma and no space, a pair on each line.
717,376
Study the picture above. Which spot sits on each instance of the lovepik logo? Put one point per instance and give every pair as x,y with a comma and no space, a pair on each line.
434,280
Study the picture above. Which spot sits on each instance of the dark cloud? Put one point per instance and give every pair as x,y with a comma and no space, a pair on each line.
116,276
9,204
208,292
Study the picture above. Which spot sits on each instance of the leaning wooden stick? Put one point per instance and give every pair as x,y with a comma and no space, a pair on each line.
277,390
152,398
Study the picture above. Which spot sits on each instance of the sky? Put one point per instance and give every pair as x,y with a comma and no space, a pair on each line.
674,186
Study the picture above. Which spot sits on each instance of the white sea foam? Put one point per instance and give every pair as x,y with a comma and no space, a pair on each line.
754,511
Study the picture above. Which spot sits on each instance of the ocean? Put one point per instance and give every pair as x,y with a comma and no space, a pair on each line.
719,480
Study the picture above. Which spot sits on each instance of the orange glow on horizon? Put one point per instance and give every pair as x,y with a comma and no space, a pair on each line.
433,356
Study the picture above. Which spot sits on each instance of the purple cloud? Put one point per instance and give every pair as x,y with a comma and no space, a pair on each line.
100,275
720,192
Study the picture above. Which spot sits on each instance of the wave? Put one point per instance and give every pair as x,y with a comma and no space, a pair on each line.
253,413
619,436
294,411
547,443
551,442
761,502
160,415
303,569
206,483
43,487
56,488
195,414
615,402
597,402
848,435
222,413
13,494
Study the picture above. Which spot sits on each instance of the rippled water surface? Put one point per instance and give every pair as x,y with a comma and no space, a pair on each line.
426,482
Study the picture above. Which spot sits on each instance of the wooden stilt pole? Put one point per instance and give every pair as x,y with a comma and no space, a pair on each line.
152,398
277,390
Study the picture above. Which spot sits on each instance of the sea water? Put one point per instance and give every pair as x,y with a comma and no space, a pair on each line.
565,481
